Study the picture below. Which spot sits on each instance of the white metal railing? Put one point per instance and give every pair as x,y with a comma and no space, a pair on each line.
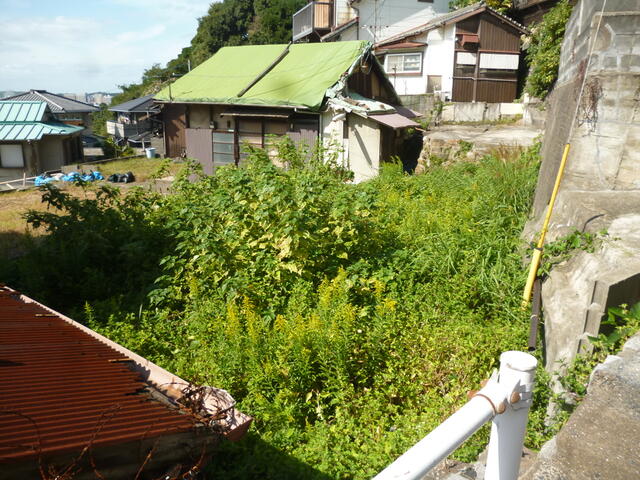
506,398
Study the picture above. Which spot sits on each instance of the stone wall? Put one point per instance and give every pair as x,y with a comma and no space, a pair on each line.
601,185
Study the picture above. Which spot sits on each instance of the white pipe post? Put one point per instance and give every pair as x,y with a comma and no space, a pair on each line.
517,374
440,443
449,435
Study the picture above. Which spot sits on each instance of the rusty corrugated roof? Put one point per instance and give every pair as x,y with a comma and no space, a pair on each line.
63,386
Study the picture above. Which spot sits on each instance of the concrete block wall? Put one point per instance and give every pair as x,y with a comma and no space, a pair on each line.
601,186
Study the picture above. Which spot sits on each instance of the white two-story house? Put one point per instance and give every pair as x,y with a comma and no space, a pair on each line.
370,20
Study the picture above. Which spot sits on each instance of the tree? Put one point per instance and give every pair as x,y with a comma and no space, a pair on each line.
99,120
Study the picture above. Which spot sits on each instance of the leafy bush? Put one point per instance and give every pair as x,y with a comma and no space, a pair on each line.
349,320
543,54
99,248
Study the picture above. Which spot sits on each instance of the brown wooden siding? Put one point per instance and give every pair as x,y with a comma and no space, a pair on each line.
369,85
305,131
496,91
497,35
199,146
468,25
175,121
462,90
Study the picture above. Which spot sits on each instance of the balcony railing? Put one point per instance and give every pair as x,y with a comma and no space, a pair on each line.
121,130
313,17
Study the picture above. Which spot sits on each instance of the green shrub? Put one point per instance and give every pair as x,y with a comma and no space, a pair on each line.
348,320
543,54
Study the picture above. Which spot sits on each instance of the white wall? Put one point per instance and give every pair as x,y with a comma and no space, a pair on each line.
364,148
332,136
343,12
437,59
440,55
386,18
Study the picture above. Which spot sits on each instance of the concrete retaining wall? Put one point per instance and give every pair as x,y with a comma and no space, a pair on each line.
601,185
480,111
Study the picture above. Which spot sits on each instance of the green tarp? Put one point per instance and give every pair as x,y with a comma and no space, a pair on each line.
300,79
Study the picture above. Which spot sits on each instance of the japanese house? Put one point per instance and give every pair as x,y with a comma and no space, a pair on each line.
370,20
76,404
468,55
63,109
32,141
138,123
336,93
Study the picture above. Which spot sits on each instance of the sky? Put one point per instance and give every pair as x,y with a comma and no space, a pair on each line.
76,46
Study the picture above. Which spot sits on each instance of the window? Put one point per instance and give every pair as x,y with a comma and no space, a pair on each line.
499,61
11,156
223,148
403,63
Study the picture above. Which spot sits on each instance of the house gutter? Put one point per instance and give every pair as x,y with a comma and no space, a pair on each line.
266,70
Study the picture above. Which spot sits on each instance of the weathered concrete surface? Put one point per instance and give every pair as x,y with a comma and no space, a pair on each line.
444,141
601,439
481,111
586,285
602,177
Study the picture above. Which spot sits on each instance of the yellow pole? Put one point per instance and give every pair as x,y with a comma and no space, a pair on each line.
537,253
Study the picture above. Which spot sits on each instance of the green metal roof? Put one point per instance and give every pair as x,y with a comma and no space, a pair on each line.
20,121
300,79
20,111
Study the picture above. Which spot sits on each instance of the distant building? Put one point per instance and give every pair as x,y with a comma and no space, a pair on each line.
139,123
98,98
32,141
64,109
370,20
469,55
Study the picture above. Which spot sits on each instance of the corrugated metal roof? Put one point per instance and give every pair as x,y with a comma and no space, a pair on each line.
57,103
142,104
394,120
65,387
21,131
22,111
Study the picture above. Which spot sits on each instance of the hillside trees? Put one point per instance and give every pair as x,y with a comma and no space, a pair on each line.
227,23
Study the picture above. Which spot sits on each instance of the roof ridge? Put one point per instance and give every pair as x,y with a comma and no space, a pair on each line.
47,100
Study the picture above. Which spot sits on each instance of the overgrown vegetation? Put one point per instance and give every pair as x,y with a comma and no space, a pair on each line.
543,53
349,320
565,247
502,6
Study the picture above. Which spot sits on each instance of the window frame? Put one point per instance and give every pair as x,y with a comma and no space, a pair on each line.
403,71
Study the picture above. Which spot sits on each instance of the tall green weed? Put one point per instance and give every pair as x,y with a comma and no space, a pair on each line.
348,320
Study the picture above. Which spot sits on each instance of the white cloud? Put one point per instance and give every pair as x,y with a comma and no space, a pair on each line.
82,54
